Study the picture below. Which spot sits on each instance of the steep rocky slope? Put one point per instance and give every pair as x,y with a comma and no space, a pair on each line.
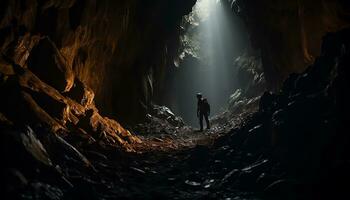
298,141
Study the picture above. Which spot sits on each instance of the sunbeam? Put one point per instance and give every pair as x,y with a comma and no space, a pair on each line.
213,40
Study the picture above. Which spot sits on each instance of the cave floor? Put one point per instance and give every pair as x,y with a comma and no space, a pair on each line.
184,165
167,168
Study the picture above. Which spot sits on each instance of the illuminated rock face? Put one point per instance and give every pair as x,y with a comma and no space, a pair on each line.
118,48
59,58
289,33
29,100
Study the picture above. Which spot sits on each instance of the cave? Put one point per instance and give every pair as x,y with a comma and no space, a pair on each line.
103,99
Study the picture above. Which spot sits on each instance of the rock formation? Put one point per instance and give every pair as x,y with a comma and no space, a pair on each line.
289,33
105,44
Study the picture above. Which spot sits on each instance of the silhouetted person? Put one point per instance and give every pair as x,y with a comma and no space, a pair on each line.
203,110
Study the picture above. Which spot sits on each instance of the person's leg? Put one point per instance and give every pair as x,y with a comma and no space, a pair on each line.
207,121
201,121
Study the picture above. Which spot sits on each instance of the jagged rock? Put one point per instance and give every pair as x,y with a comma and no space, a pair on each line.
250,75
103,128
160,120
35,101
165,113
27,145
38,115
282,50
230,177
235,97
20,107
301,123
29,156
49,65
192,183
59,110
102,54
59,148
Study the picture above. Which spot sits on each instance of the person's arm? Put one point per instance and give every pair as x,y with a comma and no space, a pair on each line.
208,109
198,110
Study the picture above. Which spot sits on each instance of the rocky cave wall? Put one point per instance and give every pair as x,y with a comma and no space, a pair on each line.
121,49
117,48
289,33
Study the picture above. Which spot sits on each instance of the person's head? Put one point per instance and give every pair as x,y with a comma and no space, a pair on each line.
199,95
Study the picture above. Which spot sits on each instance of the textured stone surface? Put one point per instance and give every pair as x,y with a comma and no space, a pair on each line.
289,33
106,44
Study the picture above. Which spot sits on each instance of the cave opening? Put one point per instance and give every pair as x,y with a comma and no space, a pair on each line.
213,38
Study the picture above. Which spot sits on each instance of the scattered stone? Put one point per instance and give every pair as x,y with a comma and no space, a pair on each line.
138,170
231,176
192,183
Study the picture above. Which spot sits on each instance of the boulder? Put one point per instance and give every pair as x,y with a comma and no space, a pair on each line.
166,114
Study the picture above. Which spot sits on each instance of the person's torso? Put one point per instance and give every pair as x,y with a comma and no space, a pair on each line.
203,105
